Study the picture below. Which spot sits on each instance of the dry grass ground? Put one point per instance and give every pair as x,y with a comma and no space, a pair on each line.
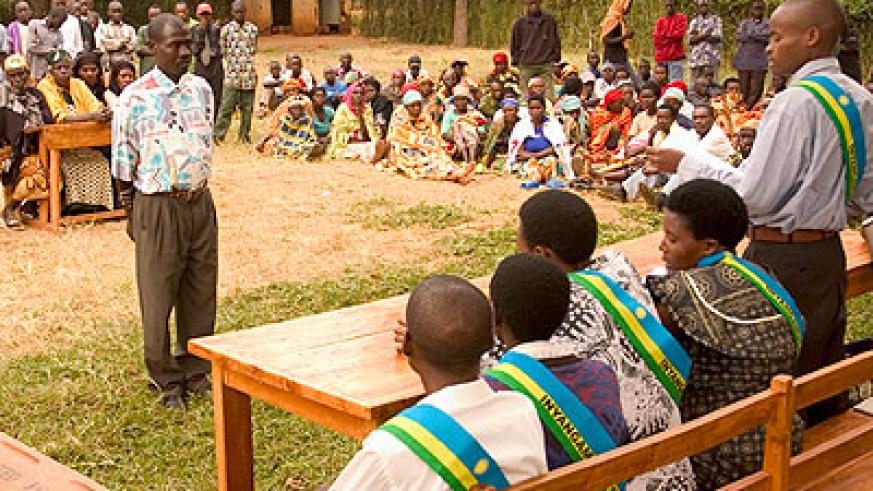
279,221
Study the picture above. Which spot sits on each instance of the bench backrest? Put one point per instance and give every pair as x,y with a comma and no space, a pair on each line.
773,408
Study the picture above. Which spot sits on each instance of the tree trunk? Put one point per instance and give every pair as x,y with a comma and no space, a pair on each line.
460,37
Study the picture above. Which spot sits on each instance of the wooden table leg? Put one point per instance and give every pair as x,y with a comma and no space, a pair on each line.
55,188
233,435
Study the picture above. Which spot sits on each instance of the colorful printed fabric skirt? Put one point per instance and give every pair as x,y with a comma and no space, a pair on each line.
87,178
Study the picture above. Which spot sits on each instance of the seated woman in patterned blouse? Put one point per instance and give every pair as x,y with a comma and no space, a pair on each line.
738,325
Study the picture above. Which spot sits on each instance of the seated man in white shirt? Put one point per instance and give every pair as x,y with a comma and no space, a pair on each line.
713,141
606,82
712,138
450,327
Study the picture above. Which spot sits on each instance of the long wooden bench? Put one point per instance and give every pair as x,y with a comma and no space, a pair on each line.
845,446
339,369
23,468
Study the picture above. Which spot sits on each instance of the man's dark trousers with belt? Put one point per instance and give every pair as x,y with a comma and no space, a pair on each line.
176,237
815,275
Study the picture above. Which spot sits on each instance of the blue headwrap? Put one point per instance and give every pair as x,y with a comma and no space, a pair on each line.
509,102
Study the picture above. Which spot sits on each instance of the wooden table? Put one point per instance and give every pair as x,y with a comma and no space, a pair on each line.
52,139
339,369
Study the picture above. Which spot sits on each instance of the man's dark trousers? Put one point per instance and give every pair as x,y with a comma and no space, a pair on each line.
814,274
176,266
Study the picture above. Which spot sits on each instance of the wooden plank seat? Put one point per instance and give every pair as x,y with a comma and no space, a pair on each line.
339,369
844,445
23,468
53,139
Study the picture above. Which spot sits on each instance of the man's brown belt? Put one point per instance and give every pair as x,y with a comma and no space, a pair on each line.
189,196
769,234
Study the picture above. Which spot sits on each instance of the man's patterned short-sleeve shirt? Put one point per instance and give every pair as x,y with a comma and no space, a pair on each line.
162,133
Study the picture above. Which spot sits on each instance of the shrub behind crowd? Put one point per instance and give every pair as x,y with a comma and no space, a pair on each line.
431,21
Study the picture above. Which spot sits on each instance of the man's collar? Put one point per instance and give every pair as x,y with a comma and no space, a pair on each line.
543,350
164,81
460,395
821,66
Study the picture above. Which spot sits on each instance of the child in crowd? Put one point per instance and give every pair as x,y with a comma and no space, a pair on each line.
294,69
322,115
273,89
333,87
122,74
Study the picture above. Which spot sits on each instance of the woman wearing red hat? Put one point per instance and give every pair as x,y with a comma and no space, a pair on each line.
502,72
610,123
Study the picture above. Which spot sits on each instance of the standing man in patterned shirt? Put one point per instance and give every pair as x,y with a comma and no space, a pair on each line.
161,157
705,40
239,41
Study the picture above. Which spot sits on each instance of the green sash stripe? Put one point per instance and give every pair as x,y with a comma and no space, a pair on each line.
661,352
844,113
425,455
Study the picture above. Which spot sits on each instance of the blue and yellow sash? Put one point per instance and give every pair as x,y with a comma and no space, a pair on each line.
775,293
569,420
661,351
843,111
446,447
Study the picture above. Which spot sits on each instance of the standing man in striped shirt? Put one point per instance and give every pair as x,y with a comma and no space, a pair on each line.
811,168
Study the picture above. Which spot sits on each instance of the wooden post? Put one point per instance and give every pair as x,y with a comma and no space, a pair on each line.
233,435
55,188
460,37
777,449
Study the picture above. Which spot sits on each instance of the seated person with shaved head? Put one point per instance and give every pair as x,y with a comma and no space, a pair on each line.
581,409
809,171
495,437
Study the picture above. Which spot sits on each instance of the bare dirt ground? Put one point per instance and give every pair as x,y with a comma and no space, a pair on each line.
278,221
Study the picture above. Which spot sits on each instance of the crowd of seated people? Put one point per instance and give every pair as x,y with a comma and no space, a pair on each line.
592,134
439,123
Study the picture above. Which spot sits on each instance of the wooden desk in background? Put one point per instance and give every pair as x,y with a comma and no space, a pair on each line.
52,139
339,369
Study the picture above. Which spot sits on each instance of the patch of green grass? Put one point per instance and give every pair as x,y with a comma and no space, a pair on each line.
860,321
382,214
635,222
87,406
